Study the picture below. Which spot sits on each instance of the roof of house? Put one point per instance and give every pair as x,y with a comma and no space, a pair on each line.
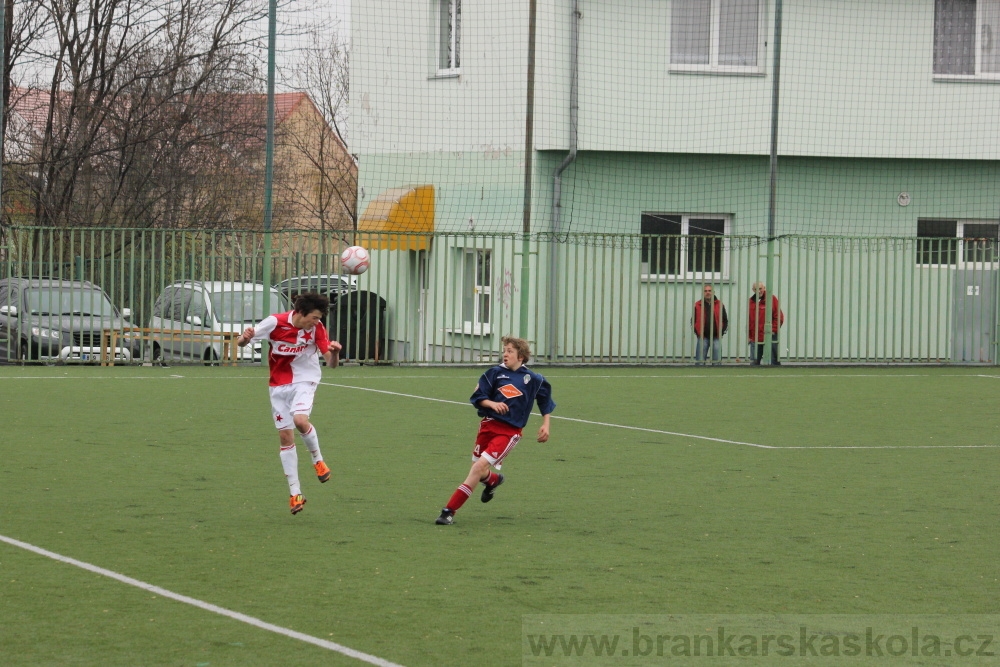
32,105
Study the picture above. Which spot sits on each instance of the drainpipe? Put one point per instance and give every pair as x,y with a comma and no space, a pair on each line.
574,108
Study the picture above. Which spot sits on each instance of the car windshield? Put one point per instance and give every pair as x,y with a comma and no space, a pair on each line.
324,283
69,301
237,306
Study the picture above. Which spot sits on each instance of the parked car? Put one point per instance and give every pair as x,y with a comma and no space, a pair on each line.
356,319
59,320
327,284
203,312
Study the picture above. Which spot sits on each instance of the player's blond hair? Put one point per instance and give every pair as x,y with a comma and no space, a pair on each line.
519,344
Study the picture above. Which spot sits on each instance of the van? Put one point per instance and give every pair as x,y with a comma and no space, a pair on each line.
195,320
48,319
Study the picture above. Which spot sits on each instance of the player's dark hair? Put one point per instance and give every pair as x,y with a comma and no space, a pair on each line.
521,345
310,301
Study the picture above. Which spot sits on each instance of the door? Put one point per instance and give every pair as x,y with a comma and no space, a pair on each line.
423,353
974,315
9,337
198,321
174,308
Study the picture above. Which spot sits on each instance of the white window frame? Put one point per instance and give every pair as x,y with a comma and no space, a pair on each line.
713,66
452,9
960,261
978,74
684,274
470,284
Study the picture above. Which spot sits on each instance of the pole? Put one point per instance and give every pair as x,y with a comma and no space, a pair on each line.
574,109
3,98
773,199
272,20
529,127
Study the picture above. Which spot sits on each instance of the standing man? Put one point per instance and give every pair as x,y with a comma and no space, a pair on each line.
758,320
711,322
503,397
297,338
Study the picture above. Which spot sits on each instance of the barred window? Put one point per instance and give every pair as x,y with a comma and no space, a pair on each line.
954,242
966,34
450,36
684,246
715,34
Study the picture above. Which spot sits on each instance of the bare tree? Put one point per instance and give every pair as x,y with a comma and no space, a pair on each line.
329,193
140,128
24,27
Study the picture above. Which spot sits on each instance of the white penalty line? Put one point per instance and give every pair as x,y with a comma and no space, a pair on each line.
675,433
569,419
243,618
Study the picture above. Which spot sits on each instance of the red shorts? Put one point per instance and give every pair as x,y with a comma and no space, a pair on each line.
495,440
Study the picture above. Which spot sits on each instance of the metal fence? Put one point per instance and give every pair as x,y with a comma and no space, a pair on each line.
448,298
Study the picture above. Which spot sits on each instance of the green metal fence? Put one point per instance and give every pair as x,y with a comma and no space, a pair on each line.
448,298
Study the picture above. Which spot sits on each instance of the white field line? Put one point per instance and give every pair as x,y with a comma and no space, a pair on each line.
763,376
583,421
571,419
674,433
893,447
243,618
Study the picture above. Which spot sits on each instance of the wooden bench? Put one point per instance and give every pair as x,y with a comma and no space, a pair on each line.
111,337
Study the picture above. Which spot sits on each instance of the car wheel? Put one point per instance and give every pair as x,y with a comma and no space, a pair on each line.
210,358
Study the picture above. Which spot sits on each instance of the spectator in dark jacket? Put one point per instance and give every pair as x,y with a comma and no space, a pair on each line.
757,322
710,324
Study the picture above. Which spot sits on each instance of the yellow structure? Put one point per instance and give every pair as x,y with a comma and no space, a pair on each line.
398,219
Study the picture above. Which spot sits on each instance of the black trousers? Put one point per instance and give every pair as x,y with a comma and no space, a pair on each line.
757,352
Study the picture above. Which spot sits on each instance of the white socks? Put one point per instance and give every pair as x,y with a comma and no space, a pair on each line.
290,463
312,444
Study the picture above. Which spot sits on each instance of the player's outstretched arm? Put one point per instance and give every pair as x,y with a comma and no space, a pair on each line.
543,430
245,337
332,355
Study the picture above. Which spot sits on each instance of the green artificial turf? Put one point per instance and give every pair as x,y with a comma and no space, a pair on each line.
171,476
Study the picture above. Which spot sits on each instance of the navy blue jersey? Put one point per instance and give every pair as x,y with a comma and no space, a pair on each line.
518,389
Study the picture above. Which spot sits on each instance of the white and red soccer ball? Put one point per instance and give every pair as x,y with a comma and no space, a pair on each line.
355,260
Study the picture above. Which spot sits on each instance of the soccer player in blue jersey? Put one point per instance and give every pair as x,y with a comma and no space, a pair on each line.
503,398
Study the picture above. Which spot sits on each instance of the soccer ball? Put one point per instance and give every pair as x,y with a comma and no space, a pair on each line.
355,260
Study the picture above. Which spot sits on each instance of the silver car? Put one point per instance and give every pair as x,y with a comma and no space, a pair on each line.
198,321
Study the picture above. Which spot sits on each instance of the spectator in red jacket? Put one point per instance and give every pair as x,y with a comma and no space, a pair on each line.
710,322
758,320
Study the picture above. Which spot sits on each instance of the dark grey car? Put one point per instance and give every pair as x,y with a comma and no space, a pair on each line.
58,320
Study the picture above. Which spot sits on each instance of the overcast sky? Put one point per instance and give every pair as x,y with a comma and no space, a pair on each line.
334,14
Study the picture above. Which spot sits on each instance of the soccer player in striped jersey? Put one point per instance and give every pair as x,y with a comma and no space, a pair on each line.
297,338
503,397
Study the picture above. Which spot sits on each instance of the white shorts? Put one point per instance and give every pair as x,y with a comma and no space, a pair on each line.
291,399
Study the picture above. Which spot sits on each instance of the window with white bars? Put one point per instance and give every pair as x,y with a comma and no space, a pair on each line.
715,35
449,37
965,243
967,38
685,246
477,290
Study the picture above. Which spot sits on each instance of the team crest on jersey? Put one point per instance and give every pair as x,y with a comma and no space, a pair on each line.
510,391
527,379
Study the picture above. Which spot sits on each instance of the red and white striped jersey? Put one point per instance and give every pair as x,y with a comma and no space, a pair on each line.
293,356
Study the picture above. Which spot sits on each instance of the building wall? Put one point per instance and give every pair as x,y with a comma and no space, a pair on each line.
607,192
399,105
856,81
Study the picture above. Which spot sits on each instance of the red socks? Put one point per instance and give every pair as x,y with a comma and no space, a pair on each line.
463,492
458,498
